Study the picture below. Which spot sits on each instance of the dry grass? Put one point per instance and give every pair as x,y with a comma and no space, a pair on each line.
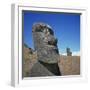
69,65
28,61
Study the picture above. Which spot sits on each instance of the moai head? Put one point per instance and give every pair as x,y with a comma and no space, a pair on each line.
45,43
69,53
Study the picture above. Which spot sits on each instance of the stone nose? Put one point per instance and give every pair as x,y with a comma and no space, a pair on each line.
53,42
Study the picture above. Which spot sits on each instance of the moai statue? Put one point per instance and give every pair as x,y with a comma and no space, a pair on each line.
69,53
46,46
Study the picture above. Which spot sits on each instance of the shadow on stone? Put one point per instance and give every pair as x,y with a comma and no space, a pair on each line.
39,70
53,68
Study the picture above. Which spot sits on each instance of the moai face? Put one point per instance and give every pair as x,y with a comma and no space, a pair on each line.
45,43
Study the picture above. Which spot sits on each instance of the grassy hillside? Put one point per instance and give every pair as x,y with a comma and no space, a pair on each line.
69,65
29,59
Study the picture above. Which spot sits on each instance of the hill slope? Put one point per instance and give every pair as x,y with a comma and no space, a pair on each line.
68,65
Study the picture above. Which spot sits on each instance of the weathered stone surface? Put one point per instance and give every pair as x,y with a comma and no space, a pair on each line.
45,43
39,70
69,65
47,51
53,68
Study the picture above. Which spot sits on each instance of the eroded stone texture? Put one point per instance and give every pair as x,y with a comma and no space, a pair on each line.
39,70
45,43
47,51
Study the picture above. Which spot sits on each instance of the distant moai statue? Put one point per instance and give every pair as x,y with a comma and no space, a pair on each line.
46,46
69,53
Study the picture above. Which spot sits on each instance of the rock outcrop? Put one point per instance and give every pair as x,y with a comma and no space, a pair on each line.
45,44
